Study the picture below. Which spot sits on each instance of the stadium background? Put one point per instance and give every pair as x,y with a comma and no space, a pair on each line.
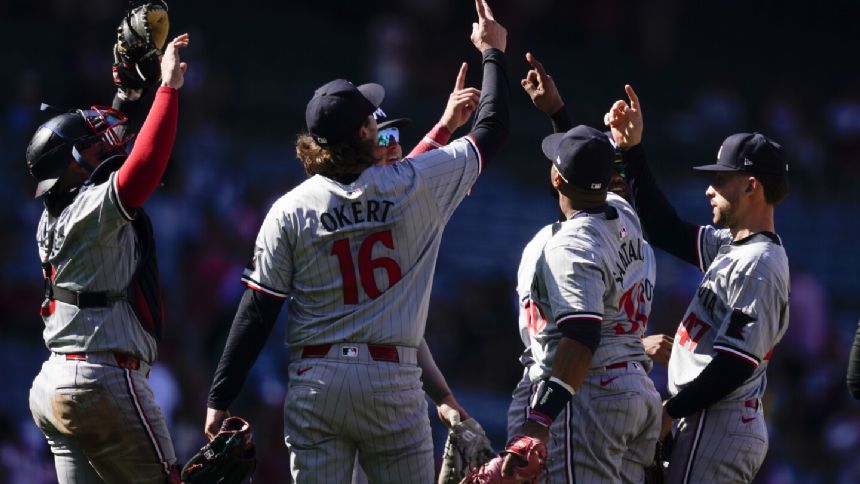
703,71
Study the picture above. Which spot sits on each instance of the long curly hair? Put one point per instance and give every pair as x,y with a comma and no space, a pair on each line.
350,157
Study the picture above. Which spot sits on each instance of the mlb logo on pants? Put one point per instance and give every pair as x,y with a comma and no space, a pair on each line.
349,351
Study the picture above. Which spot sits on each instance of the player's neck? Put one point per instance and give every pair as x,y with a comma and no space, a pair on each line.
757,220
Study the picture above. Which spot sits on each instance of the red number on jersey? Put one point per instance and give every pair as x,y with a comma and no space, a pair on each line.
634,304
535,321
691,331
367,266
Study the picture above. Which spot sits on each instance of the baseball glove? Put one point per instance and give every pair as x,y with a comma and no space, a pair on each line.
529,450
229,458
140,40
467,448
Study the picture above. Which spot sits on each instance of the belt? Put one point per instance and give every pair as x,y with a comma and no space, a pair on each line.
360,352
121,360
85,299
615,366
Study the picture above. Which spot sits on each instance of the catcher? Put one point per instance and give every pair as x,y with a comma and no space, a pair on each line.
91,398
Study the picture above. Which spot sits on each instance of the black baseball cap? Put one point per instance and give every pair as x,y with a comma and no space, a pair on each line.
583,157
383,121
339,108
749,152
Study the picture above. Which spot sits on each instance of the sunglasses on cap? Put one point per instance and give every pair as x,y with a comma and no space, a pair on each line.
104,121
618,164
388,137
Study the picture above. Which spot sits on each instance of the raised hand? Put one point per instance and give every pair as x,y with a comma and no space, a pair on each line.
658,347
461,103
541,88
172,70
625,120
486,32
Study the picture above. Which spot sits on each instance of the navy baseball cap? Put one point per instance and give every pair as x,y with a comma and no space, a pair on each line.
749,152
583,157
383,121
339,108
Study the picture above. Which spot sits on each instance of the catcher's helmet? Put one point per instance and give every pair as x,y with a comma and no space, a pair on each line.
59,141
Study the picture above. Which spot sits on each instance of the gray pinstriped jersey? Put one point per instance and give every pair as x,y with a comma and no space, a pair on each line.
93,249
596,268
357,260
740,308
525,277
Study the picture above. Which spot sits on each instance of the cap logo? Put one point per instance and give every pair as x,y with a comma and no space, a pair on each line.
379,113
747,162
596,186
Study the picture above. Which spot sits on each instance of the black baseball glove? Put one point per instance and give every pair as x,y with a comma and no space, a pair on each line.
229,458
140,40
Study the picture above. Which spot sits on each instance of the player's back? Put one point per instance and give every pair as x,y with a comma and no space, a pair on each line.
357,260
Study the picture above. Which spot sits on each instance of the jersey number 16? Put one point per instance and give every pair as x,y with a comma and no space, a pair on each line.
366,266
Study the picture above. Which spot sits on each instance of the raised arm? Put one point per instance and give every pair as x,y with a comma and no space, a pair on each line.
492,119
462,102
541,89
663,227
142,171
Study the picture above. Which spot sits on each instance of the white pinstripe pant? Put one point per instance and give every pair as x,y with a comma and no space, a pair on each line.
334,409
606,434
724,443
102,423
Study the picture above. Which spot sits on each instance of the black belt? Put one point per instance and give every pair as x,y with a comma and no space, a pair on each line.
100,299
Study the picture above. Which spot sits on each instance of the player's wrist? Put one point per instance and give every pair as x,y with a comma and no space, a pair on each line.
549,400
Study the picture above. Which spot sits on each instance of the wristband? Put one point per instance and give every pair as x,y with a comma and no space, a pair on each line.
549,400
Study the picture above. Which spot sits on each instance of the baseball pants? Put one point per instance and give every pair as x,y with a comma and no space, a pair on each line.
343,404
725,443
608,431
102,422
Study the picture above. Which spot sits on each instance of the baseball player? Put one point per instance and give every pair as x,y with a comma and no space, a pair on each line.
564,448
853,378
102,311
740,311
353,249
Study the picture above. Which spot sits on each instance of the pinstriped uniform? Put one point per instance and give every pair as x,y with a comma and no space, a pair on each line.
100,419
356,262
740,309
598,269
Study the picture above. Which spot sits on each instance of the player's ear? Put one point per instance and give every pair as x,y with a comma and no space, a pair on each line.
752,183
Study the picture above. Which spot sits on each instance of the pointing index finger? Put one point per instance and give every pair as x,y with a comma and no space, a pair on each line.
634,99
487,11
536,64
461,77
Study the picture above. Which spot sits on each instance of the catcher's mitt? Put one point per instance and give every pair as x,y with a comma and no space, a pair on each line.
529,450
229,458
467,448
140,40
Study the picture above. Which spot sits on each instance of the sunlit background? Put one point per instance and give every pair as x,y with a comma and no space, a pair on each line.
787,69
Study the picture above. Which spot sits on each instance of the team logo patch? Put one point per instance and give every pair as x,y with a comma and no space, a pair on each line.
737,323
349,351
623,232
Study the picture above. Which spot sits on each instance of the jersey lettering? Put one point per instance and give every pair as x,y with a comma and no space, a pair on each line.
629,252
367,266
355,212
635,304
691,331
536,319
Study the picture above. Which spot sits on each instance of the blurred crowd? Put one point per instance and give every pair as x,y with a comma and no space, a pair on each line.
702,72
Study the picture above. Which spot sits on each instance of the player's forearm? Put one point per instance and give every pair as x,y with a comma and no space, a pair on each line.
435,138
561,122
140,174
492,117
662,225
134,110
722,376
432,379
251,327
571,362
853,378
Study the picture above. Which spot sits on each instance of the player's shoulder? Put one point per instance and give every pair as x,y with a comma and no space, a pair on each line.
577,233
761,255
539,239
